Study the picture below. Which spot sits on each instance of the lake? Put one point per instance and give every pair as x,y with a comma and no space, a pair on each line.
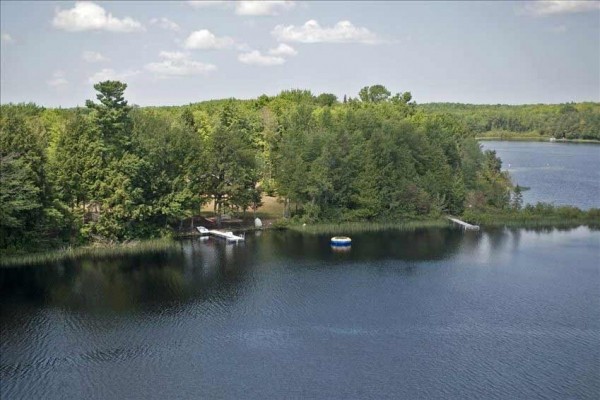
559,173
436,314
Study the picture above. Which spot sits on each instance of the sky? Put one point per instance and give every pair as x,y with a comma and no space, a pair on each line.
172,53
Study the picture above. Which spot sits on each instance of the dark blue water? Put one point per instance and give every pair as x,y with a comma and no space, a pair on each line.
558,173
434,314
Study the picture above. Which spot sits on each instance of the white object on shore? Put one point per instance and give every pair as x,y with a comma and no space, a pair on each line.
257,223
202,230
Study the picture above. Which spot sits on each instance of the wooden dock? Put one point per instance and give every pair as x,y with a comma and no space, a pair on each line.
229,236
464,225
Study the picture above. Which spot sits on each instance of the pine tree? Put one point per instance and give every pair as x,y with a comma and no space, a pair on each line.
517,200
112,118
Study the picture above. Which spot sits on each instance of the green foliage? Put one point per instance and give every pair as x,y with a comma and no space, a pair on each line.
230,175
297,96
517,198
111,117
28,210
19,194
171,152
77,161
326,99
378,161
111,172
374,94
347,228
561,121
540,214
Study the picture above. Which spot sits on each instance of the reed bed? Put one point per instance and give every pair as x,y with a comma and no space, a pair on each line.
360,227
540,223
533,221
93,251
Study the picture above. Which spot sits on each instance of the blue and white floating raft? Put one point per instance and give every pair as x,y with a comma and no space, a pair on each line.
341,241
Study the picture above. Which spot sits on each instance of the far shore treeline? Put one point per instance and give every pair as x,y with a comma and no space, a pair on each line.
570,121
115,172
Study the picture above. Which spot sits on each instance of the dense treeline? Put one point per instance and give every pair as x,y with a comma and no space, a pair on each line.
111,171
561,121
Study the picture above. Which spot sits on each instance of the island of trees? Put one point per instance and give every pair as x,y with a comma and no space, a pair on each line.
116,172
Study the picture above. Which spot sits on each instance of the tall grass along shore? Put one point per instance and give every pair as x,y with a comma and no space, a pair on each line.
95,251
539,215
359,227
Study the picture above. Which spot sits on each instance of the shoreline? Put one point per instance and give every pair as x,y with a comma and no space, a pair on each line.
98,252
535,139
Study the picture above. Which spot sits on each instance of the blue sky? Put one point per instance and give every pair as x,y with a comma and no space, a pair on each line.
182,52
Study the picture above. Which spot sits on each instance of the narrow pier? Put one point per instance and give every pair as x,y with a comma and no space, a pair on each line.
464,225
229,236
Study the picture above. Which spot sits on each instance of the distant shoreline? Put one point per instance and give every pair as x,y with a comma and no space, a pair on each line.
535,139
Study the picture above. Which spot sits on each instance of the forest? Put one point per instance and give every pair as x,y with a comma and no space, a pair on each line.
111,171
561,121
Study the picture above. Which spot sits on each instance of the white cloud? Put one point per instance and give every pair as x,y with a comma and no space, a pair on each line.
208,3
176,63
252,7
205,39
93,57
283,50
6,38
275,56
256,58
109,74
553,7
166,24
312,32
88,16
255,7
58,80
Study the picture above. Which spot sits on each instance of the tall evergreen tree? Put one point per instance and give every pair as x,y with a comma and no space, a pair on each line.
112,118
